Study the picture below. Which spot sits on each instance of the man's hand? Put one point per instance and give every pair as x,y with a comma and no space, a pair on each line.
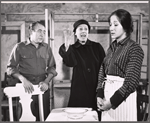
28,86
43,86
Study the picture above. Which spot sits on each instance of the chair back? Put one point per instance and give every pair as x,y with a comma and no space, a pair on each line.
25,100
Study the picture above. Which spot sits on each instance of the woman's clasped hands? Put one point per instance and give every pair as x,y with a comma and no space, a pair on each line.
103,104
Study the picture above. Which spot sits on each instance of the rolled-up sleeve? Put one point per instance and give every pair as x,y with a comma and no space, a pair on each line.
51,67
13,61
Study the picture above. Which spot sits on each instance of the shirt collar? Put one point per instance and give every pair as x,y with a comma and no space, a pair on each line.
77,44
28,42
124,41
114,44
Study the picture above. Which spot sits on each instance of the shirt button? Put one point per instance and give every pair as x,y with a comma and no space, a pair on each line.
89,70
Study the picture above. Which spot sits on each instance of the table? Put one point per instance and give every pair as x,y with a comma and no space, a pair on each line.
58,114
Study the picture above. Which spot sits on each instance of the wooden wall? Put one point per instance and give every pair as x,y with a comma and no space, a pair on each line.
8,39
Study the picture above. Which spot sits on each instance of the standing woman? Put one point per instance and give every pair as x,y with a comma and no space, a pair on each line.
120,72
85,56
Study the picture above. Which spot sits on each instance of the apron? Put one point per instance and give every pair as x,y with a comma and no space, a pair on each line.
127,110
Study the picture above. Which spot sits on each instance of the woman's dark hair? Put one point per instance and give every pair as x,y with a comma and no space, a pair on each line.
125,20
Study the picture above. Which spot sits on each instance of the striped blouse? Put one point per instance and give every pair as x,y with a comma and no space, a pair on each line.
123,59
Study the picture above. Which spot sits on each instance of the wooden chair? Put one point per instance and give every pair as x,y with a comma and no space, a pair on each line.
7,82
143,106
25,100
5,108
143,101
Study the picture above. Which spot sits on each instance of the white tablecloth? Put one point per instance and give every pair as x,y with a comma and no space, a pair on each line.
58,114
